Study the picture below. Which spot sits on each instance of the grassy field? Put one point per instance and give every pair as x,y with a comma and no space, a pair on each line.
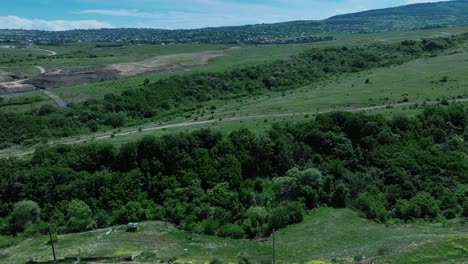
328,235
428,79
418,81
24,102
249,55
89,54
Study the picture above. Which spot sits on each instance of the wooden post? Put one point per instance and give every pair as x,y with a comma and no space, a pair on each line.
273,247
52,244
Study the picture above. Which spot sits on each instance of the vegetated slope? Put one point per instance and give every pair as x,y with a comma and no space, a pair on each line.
339,234
243,185
325,234
417,16
447,9
427,15
177,93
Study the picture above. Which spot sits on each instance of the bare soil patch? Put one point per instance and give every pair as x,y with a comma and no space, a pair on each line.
15,87
165,63
169,63
57,79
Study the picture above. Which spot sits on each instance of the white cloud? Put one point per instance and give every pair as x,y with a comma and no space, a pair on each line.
119,12
14,22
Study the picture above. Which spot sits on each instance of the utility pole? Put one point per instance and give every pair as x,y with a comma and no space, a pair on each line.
273,247
52,244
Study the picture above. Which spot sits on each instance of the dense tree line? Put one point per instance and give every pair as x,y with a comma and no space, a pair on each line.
154,100
242,185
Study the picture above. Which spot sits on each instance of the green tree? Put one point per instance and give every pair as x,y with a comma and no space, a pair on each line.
285,189
131,212
78,216
286,214
422,205
24,214
310,185
374,205
255,221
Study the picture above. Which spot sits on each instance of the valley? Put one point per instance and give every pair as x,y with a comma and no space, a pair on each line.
334,141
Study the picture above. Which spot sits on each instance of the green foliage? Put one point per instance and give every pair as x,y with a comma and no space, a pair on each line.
231,230
423,205
374,205
286,214
78,216
25,213
256,221
47,109
131,212
215,261
244,184
166,96
8,241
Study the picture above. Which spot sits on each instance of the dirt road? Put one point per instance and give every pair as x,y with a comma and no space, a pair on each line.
41,69
51,52
58,101
155,127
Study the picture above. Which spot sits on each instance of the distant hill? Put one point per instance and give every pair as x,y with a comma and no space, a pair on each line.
403,18
439,10
415,16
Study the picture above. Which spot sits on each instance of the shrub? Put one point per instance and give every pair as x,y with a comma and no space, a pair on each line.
78,216
423,205
286,214
373,205
25,213
232,231
215,261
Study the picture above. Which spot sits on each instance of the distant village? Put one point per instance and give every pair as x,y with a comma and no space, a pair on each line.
23,38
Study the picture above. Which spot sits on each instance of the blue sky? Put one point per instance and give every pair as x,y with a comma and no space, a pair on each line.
172,14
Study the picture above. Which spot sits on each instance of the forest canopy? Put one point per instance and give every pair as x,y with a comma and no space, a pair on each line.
243,184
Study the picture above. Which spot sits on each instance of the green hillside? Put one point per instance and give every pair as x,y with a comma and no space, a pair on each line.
328,235
426,15
457,8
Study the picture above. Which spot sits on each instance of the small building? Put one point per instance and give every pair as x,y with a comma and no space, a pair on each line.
132,227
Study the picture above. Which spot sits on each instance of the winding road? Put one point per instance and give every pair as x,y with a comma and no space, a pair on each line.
58,101
51,52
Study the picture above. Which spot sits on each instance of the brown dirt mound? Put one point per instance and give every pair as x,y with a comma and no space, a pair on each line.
65,78
59,79
15,87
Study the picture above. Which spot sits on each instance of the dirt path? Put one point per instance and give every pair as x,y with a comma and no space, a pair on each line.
51,52
58,101
41,69
156,127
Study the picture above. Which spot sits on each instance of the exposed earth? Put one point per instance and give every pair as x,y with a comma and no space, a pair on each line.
70,77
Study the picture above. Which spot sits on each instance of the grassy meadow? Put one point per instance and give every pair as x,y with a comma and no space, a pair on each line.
327,235
431,80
